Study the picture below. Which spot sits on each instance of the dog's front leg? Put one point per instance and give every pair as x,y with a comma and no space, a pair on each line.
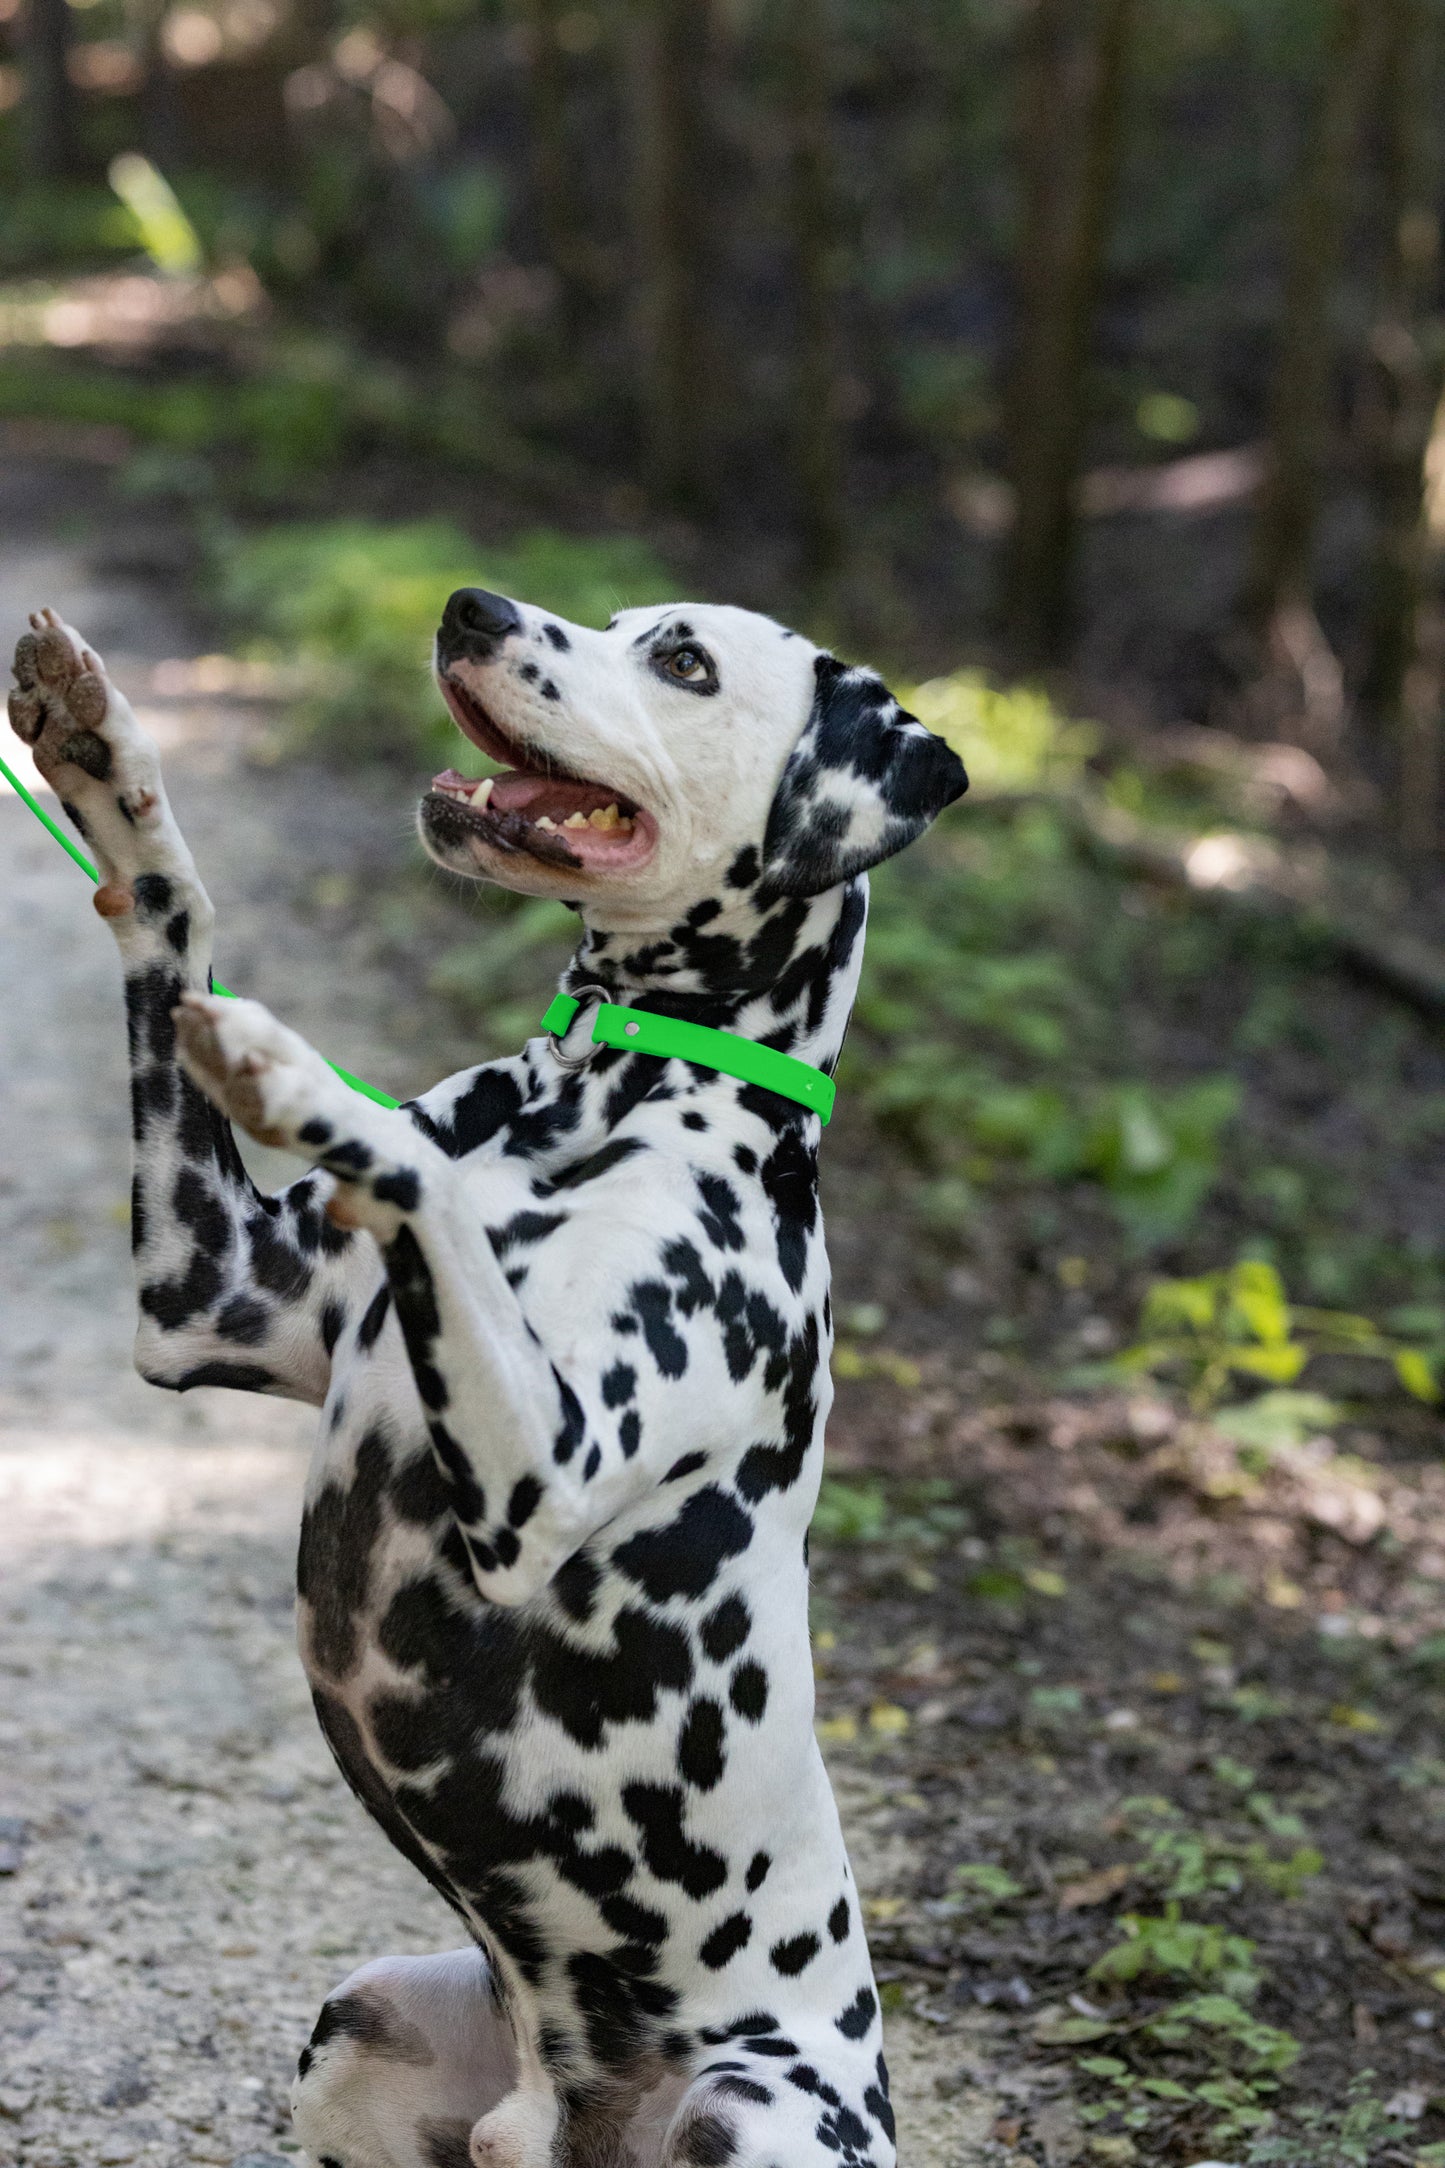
235,1288
504,1424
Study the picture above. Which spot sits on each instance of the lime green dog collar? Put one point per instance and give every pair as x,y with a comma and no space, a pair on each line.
638,1031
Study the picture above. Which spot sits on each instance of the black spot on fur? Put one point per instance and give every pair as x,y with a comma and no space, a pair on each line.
794,1955
586,1690
618,1385
740,2088
524,1501
727,1938
683,1558
700,1756
859,2015
757,1872
368,1332
707,2143
726,1629
575,1585
657,1809
838,1920
243,1319
241,1377
749,1691
403,1189
615,1154
652,1300
445,2140
338,1534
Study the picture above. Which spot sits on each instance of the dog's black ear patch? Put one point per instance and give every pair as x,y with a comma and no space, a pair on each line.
863,781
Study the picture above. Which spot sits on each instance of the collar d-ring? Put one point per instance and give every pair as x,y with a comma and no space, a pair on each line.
583,995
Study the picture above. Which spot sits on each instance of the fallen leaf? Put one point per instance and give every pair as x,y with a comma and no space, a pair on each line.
1044,1582
1355,1719
1093,1889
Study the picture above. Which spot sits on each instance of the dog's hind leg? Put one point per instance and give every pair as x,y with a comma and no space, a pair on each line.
235,1288
407,2055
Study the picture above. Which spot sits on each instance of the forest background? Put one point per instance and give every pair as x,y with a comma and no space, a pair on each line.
1080,363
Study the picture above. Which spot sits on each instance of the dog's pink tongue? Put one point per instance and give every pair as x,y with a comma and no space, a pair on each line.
452,779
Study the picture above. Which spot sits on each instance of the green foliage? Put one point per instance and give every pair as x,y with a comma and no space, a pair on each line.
164,231
1010,738
920,1515
355,605
1171,1947
850,1512
984,1879
1239,1325
63,225
1186,1862
1319,2137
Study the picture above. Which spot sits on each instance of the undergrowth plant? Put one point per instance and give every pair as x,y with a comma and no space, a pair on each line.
1238,1326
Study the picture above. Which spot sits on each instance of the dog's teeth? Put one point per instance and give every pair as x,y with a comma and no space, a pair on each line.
483,792
606,817
575,820
546,822
626,825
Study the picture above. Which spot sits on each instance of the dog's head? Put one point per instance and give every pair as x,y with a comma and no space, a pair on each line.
685,747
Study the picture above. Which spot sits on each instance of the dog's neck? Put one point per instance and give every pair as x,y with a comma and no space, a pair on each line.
780,969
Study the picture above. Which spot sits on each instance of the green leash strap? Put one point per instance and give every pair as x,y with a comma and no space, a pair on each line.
633,1031
368,1091
638,1031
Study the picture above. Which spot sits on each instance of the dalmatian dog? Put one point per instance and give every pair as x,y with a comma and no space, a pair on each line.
567,1319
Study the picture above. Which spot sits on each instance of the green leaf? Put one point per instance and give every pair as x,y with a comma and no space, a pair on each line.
1417,1374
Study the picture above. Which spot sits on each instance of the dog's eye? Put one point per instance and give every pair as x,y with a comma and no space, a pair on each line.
687,663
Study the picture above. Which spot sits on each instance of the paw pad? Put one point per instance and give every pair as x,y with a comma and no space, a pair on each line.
54,657
27,716
86,700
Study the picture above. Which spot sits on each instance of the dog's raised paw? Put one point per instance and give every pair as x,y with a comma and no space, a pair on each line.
255,1068
66,709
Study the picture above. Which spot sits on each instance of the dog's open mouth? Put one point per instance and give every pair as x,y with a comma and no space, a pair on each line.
553,815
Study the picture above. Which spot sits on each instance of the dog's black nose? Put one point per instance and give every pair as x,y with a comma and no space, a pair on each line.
474,622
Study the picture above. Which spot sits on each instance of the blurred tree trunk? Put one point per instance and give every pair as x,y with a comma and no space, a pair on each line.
1279,591
671,83
815,431
1074,79
560,213
1406,364
160,117
52,131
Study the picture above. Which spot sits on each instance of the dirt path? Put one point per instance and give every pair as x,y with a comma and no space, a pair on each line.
184,1876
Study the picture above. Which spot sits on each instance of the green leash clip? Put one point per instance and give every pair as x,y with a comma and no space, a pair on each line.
638,1031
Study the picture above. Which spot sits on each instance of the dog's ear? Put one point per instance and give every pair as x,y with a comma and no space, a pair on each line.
864,779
